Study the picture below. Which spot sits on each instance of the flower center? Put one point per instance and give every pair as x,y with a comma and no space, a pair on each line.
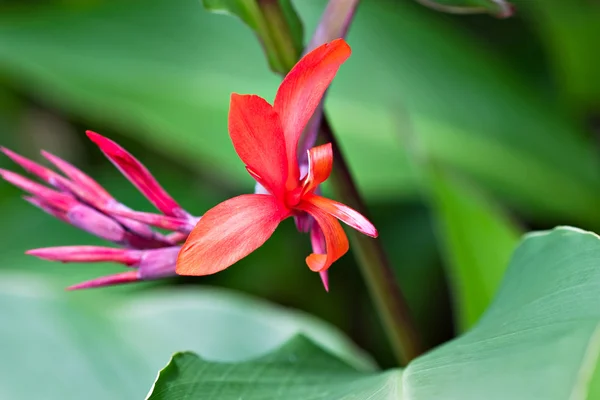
293,197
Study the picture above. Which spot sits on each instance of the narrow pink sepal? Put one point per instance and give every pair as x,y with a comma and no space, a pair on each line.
136,227
59,214
69,254
317,241
325,279
110,280
139,175
90,190
160,221
56,199
45,174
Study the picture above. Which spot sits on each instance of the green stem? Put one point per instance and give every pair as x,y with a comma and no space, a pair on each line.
374,265
279,33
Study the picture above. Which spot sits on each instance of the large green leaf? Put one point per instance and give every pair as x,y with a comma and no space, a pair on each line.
540,339
163,70
478,239
58,345
297,370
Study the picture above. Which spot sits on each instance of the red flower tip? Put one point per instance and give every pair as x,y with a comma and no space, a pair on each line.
110,280
138,174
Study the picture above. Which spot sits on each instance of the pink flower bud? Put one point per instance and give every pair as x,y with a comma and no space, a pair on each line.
150,264
139,175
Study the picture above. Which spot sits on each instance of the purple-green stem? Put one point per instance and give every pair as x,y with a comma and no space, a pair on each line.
376,270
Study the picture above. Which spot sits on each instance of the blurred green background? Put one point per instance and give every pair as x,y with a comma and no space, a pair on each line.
462,133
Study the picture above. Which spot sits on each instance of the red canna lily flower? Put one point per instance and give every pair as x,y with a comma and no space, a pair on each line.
266,139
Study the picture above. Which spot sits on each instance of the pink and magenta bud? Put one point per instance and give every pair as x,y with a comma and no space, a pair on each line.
86,254
160,221
57,200
149,264
110,280
43,173
90,190
59,214
139,175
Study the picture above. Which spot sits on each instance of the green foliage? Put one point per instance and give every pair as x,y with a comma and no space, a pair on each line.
297,370
163,71
268,18
499,8
540,339
477,239
74,347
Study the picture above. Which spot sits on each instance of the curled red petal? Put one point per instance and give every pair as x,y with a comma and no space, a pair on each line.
320,163
336,242
257,136
229,232
110,280
345,214
301,90
138,174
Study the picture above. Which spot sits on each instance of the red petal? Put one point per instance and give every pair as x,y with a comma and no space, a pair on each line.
257,136
335,239
301,90
229,232
320,162
138,174
344,213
